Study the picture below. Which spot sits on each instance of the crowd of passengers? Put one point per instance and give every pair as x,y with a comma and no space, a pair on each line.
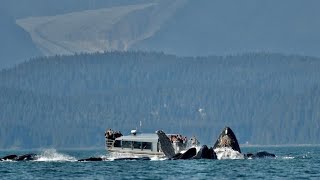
110,134
178,138
183,139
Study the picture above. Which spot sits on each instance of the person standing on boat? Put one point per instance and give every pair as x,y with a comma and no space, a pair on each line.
194,141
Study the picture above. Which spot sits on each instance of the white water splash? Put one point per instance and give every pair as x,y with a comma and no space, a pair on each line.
112,156
287,157
8,160
228,153
156,158
53,155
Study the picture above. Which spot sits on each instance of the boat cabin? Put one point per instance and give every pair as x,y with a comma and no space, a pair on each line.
135,143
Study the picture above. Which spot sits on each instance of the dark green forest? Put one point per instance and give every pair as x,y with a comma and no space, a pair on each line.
69,101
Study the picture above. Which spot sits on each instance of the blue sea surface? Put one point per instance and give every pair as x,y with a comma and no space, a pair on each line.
292,162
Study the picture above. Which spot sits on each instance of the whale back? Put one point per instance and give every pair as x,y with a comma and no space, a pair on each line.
27,157
261,154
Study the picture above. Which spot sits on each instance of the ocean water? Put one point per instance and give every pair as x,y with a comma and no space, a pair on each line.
292,162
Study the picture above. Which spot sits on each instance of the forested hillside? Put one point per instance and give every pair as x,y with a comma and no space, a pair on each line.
69,101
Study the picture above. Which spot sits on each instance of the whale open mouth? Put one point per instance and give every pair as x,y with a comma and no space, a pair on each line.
225,141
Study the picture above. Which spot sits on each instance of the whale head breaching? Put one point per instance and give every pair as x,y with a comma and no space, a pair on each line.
221,150
227,139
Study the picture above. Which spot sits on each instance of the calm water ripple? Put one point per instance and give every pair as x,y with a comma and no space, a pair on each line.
291,163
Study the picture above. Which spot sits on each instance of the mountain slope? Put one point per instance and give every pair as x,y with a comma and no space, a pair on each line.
15,44
116,28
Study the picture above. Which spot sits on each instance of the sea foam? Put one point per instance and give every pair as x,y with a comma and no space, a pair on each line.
53,155
228,153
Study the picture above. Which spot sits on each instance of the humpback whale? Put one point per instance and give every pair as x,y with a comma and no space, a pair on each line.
261,154
135,159
91,159
227,139
25,157
9,157
168,150
205,153
191,153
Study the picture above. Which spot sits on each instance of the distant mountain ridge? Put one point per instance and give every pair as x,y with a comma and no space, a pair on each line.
69,101
185,27
181,27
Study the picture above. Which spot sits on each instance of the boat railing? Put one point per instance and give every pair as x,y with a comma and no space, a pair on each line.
110,143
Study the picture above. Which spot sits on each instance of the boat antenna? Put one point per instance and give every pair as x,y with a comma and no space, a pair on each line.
140,125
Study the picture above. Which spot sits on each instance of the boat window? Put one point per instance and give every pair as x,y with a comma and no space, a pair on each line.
146,145
136,145
117,143
126,144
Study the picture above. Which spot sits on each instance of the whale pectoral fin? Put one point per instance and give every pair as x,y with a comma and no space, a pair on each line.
165,144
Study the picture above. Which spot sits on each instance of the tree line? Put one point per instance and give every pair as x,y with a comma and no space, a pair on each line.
69,101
